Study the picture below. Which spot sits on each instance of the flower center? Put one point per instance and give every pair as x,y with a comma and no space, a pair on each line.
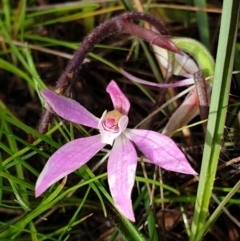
111,125
110,122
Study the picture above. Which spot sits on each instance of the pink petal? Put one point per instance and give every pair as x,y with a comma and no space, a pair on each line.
70,109
184,113
161,150
121,175
180,83
67,159
119,100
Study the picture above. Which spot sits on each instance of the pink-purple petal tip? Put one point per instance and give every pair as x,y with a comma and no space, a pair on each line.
119,100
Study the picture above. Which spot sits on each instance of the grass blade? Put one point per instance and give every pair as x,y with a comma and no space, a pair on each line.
217,115
202,20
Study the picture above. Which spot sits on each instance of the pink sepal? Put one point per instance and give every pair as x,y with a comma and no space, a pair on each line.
67,159
70,109
121,175
180,83
119,100
160,150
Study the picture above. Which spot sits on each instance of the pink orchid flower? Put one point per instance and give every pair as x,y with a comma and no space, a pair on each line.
121,168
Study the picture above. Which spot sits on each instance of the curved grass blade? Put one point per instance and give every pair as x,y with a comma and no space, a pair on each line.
128,231
219,209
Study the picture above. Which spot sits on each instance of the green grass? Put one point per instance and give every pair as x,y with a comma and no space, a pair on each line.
72,208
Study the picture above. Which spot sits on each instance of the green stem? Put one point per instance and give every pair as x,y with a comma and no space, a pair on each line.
217,115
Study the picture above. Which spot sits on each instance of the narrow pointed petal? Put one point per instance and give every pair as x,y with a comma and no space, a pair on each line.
184,113
67,159
119,100
180,83
161,150
121,175
70,109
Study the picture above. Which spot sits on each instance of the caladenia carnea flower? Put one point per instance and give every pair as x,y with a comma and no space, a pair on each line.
122,162
185,66
195,57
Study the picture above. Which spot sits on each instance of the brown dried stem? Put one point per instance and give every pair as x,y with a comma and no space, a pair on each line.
202,93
